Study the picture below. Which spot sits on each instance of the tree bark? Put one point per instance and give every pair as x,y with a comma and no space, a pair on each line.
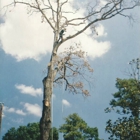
45,121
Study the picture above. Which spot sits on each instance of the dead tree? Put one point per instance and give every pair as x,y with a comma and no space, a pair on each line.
55,14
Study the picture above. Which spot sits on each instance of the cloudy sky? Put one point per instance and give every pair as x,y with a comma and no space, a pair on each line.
25,46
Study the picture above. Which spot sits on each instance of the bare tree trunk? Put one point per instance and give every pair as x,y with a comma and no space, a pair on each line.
45,121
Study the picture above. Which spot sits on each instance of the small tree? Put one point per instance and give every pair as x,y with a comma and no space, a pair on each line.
127,103
75,128
55,14
11,134
29,132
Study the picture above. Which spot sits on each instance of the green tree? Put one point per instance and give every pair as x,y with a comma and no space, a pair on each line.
127,103
75,128
11,134
29,132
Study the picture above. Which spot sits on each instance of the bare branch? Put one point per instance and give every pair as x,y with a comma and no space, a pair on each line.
58,79
44,15
53,11
63,3
105,16
25,3
82,30
57,15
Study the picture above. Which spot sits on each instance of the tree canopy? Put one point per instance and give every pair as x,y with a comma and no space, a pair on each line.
29,132
127,103
75,128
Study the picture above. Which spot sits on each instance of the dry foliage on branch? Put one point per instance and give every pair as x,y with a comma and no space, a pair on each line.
73,67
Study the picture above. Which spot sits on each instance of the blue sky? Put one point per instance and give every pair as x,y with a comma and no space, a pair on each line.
24,55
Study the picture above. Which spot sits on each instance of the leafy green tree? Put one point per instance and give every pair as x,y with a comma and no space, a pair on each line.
11,134
29,132
127,103
75,128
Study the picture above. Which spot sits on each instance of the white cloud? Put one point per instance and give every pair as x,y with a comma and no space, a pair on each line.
29,90
24,36
13,110
33,109
66,103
